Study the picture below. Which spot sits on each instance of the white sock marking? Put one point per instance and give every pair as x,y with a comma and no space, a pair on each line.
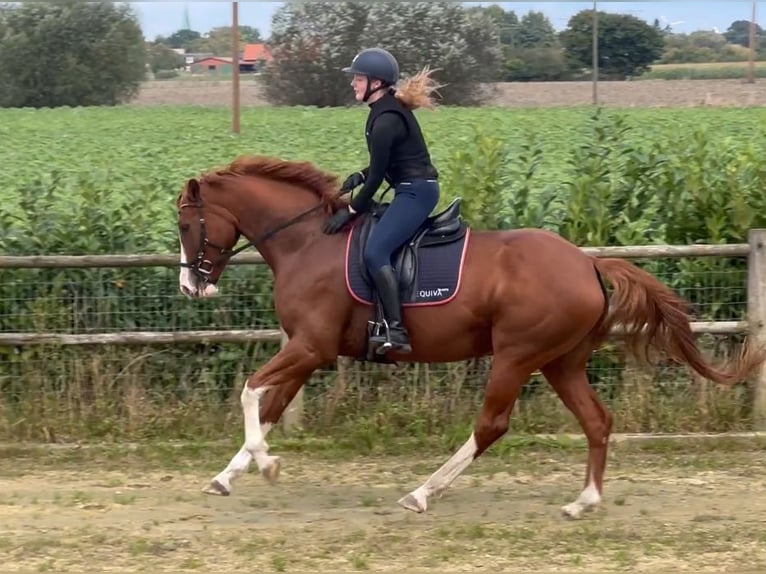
255,446
588,498
448,472
251,399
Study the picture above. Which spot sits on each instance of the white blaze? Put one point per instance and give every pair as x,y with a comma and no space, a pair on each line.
185,280
188,282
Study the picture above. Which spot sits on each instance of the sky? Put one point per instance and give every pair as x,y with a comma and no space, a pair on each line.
164,18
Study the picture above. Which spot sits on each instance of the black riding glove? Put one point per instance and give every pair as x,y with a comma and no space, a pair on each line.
338,220
354,180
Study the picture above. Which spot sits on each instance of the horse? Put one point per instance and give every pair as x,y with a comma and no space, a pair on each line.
528,298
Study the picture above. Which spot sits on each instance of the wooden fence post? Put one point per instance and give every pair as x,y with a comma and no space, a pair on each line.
293,415
756,316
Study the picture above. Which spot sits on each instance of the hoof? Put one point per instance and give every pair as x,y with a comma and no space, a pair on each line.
411,503
217,488
572,511
271,472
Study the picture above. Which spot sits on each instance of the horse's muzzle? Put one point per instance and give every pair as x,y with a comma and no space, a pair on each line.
207,290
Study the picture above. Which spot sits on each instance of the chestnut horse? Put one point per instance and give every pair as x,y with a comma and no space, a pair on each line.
529,298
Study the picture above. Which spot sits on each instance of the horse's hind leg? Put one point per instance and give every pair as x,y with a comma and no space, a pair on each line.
505,382
568,377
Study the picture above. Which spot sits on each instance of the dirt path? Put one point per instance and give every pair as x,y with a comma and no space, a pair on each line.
114,510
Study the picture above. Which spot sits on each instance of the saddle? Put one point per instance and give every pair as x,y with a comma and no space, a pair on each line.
434,244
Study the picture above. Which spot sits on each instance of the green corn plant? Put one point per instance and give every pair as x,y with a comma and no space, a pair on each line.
599,178
478,171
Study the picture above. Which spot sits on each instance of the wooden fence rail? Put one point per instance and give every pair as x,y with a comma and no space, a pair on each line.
254,258
241,336
755,325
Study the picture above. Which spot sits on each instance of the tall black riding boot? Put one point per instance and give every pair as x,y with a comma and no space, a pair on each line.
388,291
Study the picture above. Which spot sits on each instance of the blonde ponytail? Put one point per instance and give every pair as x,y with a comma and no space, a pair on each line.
415,92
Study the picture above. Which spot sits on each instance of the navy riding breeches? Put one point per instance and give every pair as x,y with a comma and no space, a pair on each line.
412,204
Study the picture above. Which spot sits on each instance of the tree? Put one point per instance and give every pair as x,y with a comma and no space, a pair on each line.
312,41
163,58
5,10
739,33
707,39
180,39
218,40
536,65
536,31
70,53
700,46
462,46
530,47
536,54
626,45
507,23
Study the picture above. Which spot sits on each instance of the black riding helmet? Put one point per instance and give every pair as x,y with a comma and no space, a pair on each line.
376,64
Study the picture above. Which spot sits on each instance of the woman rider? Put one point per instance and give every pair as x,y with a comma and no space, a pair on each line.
398,155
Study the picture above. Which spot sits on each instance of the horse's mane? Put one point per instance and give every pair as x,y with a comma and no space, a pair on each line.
323,184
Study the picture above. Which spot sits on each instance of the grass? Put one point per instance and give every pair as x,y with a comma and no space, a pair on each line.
528,450
365,421
739,65
704,71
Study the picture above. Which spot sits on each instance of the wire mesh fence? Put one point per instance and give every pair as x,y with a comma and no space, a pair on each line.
123,299
108,300
191,390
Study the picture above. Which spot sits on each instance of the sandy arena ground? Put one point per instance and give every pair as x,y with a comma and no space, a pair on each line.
689,508
644,93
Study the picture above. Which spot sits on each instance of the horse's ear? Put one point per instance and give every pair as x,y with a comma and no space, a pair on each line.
192,188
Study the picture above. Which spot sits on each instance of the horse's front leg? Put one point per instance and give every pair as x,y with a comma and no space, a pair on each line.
284,374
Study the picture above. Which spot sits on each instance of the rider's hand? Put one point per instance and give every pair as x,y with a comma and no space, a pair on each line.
354,180
338,220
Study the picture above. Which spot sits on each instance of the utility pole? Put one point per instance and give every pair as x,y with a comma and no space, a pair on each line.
751,63
235,67
595,54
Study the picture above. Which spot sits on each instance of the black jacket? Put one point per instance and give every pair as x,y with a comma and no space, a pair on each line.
398,151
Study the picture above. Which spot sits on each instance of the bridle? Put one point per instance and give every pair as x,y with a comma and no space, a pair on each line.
203,267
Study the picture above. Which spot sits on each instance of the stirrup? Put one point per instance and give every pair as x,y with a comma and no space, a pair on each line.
386,344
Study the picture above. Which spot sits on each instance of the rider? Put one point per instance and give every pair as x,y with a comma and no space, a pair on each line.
398,154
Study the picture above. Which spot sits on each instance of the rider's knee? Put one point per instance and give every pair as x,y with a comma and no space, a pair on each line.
372,257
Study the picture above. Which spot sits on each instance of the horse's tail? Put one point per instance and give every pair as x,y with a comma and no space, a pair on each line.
652,317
